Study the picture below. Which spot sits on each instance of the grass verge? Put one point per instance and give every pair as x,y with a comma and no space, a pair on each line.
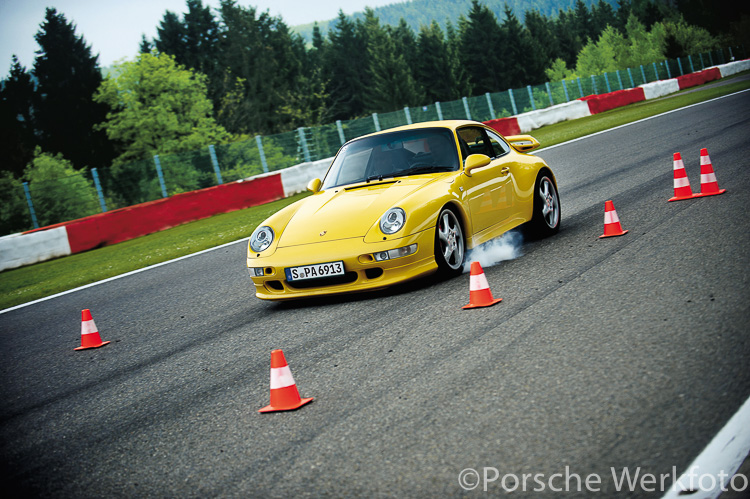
47,278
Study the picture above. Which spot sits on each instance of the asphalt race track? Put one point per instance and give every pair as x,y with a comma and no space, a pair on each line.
605,355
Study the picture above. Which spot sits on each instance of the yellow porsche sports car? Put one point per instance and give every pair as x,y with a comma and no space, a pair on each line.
402,203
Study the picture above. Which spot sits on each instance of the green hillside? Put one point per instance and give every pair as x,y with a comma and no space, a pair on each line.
423,12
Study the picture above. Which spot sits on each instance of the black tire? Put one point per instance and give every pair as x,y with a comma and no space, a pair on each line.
450,244
546,218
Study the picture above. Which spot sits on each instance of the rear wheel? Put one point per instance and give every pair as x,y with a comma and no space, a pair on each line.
450,246
546,219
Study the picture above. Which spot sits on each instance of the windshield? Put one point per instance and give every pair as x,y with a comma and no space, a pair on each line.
395,154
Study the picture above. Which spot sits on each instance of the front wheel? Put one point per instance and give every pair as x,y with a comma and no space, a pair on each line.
546,219
450,246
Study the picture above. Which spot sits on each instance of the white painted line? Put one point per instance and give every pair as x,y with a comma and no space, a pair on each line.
234,242
122,275
711,472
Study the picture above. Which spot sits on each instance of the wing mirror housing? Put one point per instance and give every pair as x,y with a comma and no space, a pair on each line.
475,161
314,185
523,143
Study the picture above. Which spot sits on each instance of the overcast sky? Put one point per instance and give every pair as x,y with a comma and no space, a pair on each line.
113,28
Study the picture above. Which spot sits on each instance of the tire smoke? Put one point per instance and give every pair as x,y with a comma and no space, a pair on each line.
506,247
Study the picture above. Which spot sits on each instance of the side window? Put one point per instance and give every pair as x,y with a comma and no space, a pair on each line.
474,141
499,146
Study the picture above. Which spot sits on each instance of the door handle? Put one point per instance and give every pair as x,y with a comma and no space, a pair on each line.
504,170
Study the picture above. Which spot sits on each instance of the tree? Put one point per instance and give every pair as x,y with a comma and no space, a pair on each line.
14,213
436,70
345,63
486,68
519,53
17,137
195,42
67,77
391,84
59,191
157,107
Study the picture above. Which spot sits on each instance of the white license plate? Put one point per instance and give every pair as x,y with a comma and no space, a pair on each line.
315,271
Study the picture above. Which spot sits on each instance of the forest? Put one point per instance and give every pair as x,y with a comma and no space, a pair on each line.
225,75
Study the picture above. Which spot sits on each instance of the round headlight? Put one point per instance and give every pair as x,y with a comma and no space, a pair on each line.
261,238
392,221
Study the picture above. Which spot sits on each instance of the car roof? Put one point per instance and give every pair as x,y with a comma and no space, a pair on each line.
452,124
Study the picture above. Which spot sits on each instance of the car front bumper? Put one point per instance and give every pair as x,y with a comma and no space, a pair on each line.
362,271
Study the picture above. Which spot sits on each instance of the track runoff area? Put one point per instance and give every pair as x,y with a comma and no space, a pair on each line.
711,473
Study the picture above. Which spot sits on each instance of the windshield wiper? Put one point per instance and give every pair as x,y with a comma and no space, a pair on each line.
379,177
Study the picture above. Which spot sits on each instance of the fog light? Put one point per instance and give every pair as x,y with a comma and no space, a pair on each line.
395,253
379,257
256,271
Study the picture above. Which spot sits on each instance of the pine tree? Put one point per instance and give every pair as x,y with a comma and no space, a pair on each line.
345,64
17,138
486,68
67,77
435,71
391,84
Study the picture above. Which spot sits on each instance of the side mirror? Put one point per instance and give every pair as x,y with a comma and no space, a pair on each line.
314,185
475,161
523,143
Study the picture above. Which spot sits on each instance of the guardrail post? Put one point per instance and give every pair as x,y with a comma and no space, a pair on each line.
606,81
679,65
466,107
731,55
263,162
99,191
341,132
593,85
439,110
565,89
157,162
513,102
632,81
619,79
489,105
643,74
531,97
656,71
407,113
31,205
215,162
549,93
376,122
669,73
690,60
303,143
700,56
710,58
580,86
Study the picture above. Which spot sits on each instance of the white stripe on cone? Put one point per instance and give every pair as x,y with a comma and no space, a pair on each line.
707,178
478,282
681,182
610,217
281,377
88,327
679,164
705,160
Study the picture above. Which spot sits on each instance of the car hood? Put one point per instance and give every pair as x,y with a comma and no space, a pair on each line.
348,211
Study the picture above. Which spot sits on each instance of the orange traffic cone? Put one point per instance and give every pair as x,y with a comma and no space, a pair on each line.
89,334
612,225
479,290
284,394
682,188
709,185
